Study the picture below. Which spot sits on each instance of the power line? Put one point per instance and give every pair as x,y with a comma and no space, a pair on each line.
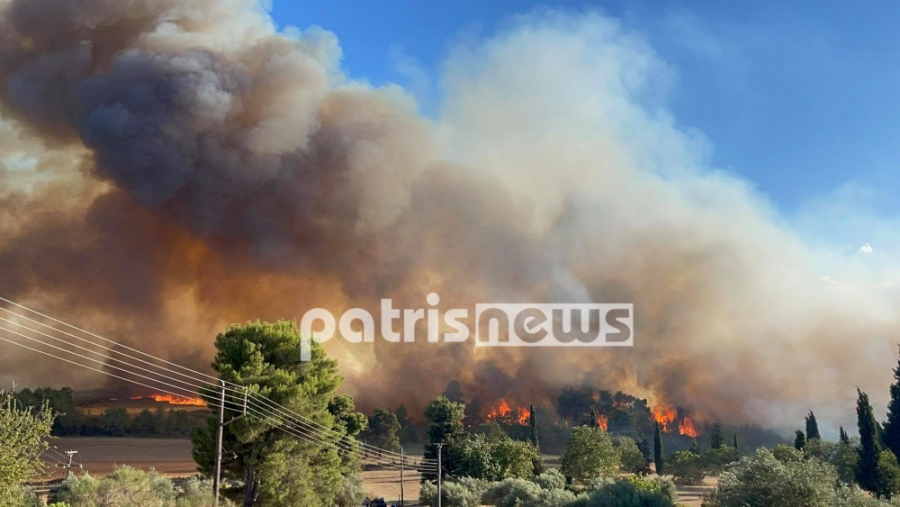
270,404
235,406
107,340
263,407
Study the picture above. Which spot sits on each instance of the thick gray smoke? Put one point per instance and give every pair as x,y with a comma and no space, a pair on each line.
173,166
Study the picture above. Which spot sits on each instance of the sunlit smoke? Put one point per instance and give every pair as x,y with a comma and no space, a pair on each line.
171,167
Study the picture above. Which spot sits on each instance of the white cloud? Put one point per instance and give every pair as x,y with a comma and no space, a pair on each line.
866,249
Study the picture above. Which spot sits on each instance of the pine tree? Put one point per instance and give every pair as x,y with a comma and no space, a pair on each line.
868,450
845,439
658,452
812,427
716,441
799,441
891,435
532,421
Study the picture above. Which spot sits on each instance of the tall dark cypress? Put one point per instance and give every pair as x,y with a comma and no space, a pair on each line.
845,439
716,441
869,449
532,421
735,440
594,418
799,441
891,435
812,427
658,452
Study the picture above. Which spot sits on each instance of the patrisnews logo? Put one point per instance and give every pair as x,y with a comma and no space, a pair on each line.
495,325
554,325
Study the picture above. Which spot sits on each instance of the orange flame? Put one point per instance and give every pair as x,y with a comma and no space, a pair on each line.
603,422
178,400
504,413
664,417
686,427
523,415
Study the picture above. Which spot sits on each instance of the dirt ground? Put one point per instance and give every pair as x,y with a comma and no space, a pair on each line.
100,455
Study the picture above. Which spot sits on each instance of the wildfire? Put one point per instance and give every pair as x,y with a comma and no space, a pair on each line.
177,400
522,415
686,427
664,417
504,413
603,422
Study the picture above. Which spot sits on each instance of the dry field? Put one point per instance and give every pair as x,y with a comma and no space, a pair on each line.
100,455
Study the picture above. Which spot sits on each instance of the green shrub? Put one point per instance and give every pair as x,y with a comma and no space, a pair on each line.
589,454
551,479
715,460
130,487
495,492
634,492
763,480
631,458
463,492
351,492
686,468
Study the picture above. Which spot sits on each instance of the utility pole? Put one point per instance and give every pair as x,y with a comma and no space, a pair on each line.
402,459
217,477
68,466
439,473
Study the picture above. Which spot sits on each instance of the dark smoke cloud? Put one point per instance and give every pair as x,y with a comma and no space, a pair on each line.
188,166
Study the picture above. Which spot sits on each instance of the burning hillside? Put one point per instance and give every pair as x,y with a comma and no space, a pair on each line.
173,400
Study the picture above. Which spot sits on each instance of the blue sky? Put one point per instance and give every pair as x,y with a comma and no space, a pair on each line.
797,97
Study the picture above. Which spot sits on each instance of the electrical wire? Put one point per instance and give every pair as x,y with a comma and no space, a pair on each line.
263,407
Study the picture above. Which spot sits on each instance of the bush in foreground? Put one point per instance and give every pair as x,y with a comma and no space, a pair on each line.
764,480
130,487
547,490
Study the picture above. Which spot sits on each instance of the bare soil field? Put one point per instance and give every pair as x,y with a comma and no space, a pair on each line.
100,455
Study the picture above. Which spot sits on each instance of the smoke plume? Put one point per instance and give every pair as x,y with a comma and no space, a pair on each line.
169,167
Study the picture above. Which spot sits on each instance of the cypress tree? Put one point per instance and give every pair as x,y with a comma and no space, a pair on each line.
658,452
532,421
735,441
891,434
868,450
812,427
716,441
845,439
799,441
594,418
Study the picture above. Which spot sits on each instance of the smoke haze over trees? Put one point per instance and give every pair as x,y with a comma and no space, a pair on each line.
171,167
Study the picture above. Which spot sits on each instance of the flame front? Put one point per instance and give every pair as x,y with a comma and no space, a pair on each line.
505,414
523,415
664,417
686,427
177,400
603,422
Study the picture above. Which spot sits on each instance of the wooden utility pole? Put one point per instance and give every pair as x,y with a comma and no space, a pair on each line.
402,459
439,473
68,466
217,477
